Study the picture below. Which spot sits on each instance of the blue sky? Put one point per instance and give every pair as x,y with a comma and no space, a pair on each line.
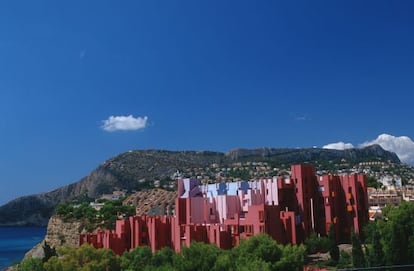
194,75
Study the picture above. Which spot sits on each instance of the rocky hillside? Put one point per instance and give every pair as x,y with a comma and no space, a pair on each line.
291,156
153,202
136,170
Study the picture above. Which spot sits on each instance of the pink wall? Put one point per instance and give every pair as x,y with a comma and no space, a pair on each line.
269,205
197,210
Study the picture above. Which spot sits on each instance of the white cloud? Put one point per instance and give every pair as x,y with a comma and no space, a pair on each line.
301,117
403,146
124,123
338,146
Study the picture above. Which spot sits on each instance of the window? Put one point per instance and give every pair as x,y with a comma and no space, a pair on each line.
262,229
321,188
261,216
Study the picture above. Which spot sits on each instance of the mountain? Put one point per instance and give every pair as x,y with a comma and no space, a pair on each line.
302,155
136,170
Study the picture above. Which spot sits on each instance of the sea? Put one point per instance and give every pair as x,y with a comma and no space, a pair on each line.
16,241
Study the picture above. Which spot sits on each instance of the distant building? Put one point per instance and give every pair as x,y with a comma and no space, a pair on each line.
116,195
382,198
391,181
288,209
97,205
408,193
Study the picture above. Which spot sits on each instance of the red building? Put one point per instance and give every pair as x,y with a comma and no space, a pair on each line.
288,209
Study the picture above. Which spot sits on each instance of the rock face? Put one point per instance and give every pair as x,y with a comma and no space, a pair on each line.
290,156
26,211
152,202
132,170
59,233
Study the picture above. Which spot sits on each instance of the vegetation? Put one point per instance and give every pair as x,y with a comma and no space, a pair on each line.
397,234
387,242
243,174
92,218
83,258
333,245
316,244
345,260
373,182
391,241
48,251
375,255
258,253
358,259
31,264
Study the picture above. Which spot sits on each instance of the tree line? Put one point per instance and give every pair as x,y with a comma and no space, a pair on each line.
260,252
92,218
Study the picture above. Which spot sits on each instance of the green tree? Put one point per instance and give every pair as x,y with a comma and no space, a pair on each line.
64,210
292,259
137,259
254,264
345,260
376,253
198,256
224,262
258,248
31,264
163,257
110,211
398,234
316,244
84,258
373,182
48,251
358,259
333,246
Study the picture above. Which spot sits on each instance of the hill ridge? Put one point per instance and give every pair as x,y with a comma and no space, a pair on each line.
135,170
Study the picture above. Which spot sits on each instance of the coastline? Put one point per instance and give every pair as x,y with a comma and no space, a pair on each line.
16,242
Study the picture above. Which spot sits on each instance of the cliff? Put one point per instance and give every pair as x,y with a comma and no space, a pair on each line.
59,233
134,170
